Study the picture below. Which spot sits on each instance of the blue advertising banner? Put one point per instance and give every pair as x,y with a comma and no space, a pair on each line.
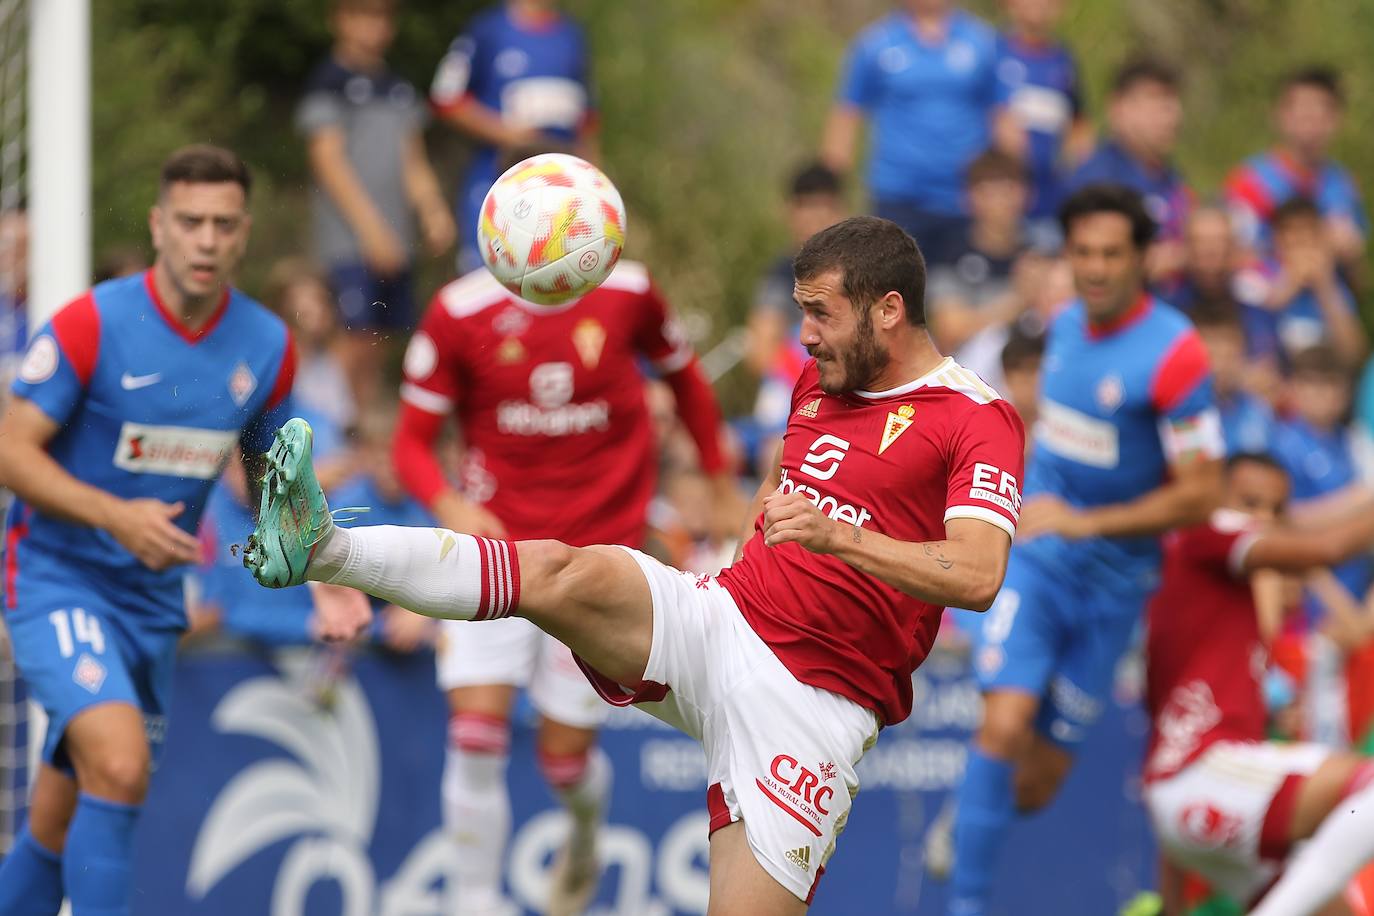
293,786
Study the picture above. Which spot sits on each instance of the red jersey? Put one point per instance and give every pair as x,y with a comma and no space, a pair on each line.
1204,653
900,462
558,441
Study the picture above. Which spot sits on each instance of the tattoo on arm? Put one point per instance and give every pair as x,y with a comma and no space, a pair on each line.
938,556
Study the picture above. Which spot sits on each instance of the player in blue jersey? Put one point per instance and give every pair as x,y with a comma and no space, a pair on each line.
127,406
925,76
518,77
1126,448
1037,78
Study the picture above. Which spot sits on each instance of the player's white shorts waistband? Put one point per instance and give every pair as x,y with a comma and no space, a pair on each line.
781,754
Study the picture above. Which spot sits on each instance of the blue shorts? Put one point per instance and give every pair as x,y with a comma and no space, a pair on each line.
939,235
80,641
371,302
1056,640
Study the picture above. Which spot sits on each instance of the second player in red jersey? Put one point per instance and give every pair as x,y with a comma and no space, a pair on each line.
1225,802
557,444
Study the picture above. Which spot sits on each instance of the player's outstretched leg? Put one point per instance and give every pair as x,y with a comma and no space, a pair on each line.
595,600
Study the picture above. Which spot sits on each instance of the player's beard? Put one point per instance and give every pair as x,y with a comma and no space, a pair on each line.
860,363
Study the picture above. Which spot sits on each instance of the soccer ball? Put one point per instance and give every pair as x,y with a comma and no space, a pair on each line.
551,228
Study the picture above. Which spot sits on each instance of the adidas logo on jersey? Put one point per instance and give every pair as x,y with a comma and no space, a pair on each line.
809,409
800,857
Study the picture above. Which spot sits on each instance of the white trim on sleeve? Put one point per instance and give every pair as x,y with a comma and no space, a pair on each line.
1235,560
983,514
426,400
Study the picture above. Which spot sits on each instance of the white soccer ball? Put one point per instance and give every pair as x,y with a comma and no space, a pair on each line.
551,228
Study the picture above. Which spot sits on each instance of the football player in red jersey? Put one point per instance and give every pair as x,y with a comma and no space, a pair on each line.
558,443
896,493
1225,802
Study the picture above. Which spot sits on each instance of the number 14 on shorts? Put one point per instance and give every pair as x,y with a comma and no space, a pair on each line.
76,626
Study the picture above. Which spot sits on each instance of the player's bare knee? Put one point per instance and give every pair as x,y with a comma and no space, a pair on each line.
120,774
1006,733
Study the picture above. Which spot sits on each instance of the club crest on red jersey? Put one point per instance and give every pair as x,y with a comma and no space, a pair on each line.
589,337
898,422
511,351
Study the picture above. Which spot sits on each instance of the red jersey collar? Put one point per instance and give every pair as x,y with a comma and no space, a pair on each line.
1122,321
175,322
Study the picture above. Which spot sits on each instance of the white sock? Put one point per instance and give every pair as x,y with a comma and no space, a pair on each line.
586,795
477,819
1325,864
432,571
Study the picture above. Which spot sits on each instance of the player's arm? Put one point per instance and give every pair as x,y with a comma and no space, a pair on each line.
1293,551
860,87
964,570
453,97
1186,499
143,526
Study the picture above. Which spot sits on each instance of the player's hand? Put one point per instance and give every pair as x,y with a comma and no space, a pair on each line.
1041,515
1345,237
382,250
406,631
436,225
458,514
144,527
791,517
341,614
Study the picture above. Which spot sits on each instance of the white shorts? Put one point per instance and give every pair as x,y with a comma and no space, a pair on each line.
1209,816
516,652
780,754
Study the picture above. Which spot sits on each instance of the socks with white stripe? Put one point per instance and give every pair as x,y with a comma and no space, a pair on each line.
432,571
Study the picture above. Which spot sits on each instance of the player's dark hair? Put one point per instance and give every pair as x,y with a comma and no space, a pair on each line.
1263,459
1109,198
1295,208
1321,361
995,165
1022,351
815,178
1139,70
875,256
1315,76
202,163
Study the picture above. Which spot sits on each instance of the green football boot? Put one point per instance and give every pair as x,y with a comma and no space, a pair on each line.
293,516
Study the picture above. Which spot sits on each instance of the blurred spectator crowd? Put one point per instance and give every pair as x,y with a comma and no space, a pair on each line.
974,133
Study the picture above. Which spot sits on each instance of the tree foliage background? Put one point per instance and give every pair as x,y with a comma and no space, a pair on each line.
706,105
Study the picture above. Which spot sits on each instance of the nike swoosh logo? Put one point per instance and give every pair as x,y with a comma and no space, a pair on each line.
134,382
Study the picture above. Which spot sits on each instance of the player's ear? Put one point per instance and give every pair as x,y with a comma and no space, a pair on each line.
155,226
891,310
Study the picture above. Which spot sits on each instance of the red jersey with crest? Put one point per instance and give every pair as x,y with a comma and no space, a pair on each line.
900,462
557,437
1205,656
